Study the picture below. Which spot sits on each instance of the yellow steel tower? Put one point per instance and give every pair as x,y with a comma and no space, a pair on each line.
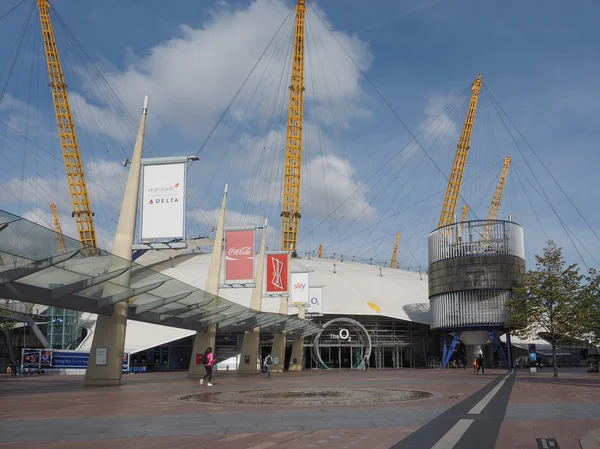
394,262
293,149
495,207
464,218
59,235
453,191
82,210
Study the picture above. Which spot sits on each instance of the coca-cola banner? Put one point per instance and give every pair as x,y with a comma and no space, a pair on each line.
239,256
276,278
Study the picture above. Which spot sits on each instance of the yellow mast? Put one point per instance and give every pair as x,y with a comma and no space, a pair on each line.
455,180
293,149
464,217
82,209
495,206
59,235
321,251
394,262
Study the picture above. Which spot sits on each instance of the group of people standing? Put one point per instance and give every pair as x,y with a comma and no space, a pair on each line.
208,360
478,364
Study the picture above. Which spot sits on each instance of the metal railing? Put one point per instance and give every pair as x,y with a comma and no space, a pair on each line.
25,308
476,238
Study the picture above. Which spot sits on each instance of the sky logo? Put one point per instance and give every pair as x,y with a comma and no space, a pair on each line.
299,286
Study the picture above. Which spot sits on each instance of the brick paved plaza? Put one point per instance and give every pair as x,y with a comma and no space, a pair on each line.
465,411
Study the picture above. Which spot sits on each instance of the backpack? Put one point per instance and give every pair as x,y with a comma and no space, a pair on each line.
269,361
204,359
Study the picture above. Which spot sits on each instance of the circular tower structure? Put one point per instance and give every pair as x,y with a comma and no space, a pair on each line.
473,268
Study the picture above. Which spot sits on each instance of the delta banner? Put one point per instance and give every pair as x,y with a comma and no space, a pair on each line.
163,202
300,291
315,305
239,256
277,269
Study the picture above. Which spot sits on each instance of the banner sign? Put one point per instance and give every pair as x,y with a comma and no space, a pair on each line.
53,359
239,256
300,290
315,305
277,269
163,202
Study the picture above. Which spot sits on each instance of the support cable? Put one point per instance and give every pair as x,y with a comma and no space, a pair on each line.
496,103
389,106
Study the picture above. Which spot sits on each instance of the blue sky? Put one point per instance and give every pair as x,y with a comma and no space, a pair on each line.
540,64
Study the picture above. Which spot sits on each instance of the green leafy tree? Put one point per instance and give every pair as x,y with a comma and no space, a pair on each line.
5,325
549,300
591,306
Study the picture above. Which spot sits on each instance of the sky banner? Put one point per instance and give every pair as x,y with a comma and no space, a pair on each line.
300,290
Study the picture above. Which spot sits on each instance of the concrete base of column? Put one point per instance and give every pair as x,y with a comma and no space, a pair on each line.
297,360
250,349
109,334
202,341
278,353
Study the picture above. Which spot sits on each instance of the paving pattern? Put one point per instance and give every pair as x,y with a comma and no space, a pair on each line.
464,411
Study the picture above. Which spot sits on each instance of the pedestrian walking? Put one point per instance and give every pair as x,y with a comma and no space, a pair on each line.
208,360
267,365
480,364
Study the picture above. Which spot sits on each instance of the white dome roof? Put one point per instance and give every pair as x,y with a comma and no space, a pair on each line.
349,287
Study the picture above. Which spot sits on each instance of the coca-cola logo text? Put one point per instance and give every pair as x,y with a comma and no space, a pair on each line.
239,252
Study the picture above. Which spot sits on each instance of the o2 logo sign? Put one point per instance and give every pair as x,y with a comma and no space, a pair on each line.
344,335
314,301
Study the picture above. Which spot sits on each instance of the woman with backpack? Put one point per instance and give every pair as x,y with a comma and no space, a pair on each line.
208,360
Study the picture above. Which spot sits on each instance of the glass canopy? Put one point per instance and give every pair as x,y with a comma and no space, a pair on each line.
32,269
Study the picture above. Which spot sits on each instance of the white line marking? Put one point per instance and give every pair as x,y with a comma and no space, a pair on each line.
449,440
478,408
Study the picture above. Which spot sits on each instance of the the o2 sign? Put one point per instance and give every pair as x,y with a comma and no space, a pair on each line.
314,301
344,335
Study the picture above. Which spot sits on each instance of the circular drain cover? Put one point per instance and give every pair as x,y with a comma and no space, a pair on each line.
308,396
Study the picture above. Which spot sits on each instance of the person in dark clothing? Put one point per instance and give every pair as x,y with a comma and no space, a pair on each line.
268,364
480,364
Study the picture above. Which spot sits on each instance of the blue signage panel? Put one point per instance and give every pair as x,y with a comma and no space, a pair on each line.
35,359
64,359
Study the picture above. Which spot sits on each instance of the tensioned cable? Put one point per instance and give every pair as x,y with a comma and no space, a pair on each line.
242,86
545,195
400,150
7,13
387,103
541,162
565,226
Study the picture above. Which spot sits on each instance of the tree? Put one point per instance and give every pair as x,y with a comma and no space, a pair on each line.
549,300
5,325
591,306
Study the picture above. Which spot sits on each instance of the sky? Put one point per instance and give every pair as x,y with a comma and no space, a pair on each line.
377,74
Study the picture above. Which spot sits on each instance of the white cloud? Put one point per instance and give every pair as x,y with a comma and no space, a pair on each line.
191,78
339,189
106,183
437,123
19,115
328,183
31,198
43,217
234,218
95,119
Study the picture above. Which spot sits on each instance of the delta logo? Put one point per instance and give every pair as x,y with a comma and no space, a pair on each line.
164,201
299,286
